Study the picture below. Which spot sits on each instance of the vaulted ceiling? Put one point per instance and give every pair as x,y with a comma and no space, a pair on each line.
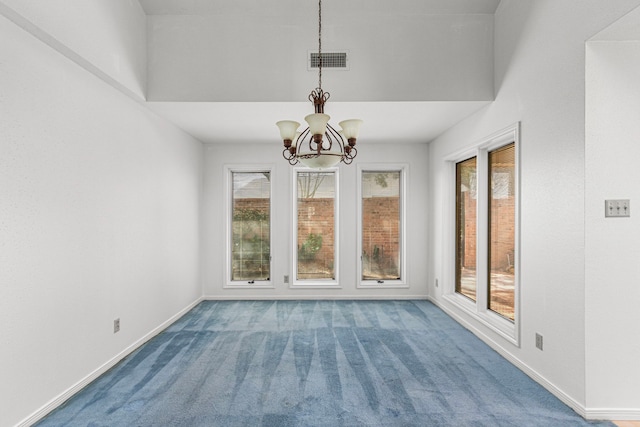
226,71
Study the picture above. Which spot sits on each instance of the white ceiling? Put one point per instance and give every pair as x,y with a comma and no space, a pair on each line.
624,29
280,7
243,122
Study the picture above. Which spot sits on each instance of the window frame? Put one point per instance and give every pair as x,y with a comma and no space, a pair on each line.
478,310
457,224
229,170
315,283
403,168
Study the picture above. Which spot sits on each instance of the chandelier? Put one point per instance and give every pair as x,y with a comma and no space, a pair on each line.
319,145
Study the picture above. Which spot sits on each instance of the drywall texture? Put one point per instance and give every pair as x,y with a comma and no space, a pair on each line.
540,77
99,220
108,34
191,60
612,244
214,218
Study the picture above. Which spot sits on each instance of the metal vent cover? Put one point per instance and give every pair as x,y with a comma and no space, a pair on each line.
336,60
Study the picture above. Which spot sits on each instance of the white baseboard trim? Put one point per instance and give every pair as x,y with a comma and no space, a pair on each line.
312,297
63,397
565,398
618,414
590,414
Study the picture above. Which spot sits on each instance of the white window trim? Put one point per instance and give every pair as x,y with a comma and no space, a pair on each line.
229,169
317,283
478,310
403,168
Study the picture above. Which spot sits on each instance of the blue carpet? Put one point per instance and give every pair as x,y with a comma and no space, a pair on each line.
315,363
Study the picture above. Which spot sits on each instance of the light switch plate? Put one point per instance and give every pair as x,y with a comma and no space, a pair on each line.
617,208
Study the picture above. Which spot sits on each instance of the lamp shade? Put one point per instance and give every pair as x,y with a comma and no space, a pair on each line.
317,123
322,161
288,129
350,128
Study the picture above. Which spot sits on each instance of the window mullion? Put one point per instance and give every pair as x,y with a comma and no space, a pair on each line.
482,233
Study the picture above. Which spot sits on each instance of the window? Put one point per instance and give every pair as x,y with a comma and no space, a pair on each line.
316,227
249,227
484,232
502,221
381,228
466,226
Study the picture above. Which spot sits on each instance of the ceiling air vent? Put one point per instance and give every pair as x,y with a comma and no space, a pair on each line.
329,60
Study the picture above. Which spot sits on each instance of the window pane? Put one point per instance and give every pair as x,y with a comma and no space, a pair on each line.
466,200
381,225
502,219
251,226
316,225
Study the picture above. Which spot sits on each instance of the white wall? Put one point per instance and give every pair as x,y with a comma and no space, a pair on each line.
214,247
108,36
191,60
99,219
613,244
540,77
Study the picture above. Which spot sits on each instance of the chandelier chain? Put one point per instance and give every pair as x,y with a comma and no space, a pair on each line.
320,43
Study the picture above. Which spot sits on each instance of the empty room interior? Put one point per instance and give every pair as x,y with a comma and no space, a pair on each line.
490,184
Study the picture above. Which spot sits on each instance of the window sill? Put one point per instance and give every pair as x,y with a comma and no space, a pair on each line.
386,284
315,285
498,324
246,285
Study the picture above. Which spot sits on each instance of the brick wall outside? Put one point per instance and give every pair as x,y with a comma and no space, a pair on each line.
381,237
316,216
469,231
261,205
248,229
502,233
502,238
251,233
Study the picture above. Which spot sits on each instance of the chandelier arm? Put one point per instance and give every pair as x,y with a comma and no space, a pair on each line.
329,139
333,134
348,157
286,153
311,149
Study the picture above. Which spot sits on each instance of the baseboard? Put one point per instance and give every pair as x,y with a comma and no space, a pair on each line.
63,397
312,297
618,414
549,386
587,413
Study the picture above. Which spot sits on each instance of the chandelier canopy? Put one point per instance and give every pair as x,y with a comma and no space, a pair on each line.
319,145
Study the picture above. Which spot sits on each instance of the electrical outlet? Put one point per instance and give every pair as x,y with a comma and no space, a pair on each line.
116,325
539,341
286,279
